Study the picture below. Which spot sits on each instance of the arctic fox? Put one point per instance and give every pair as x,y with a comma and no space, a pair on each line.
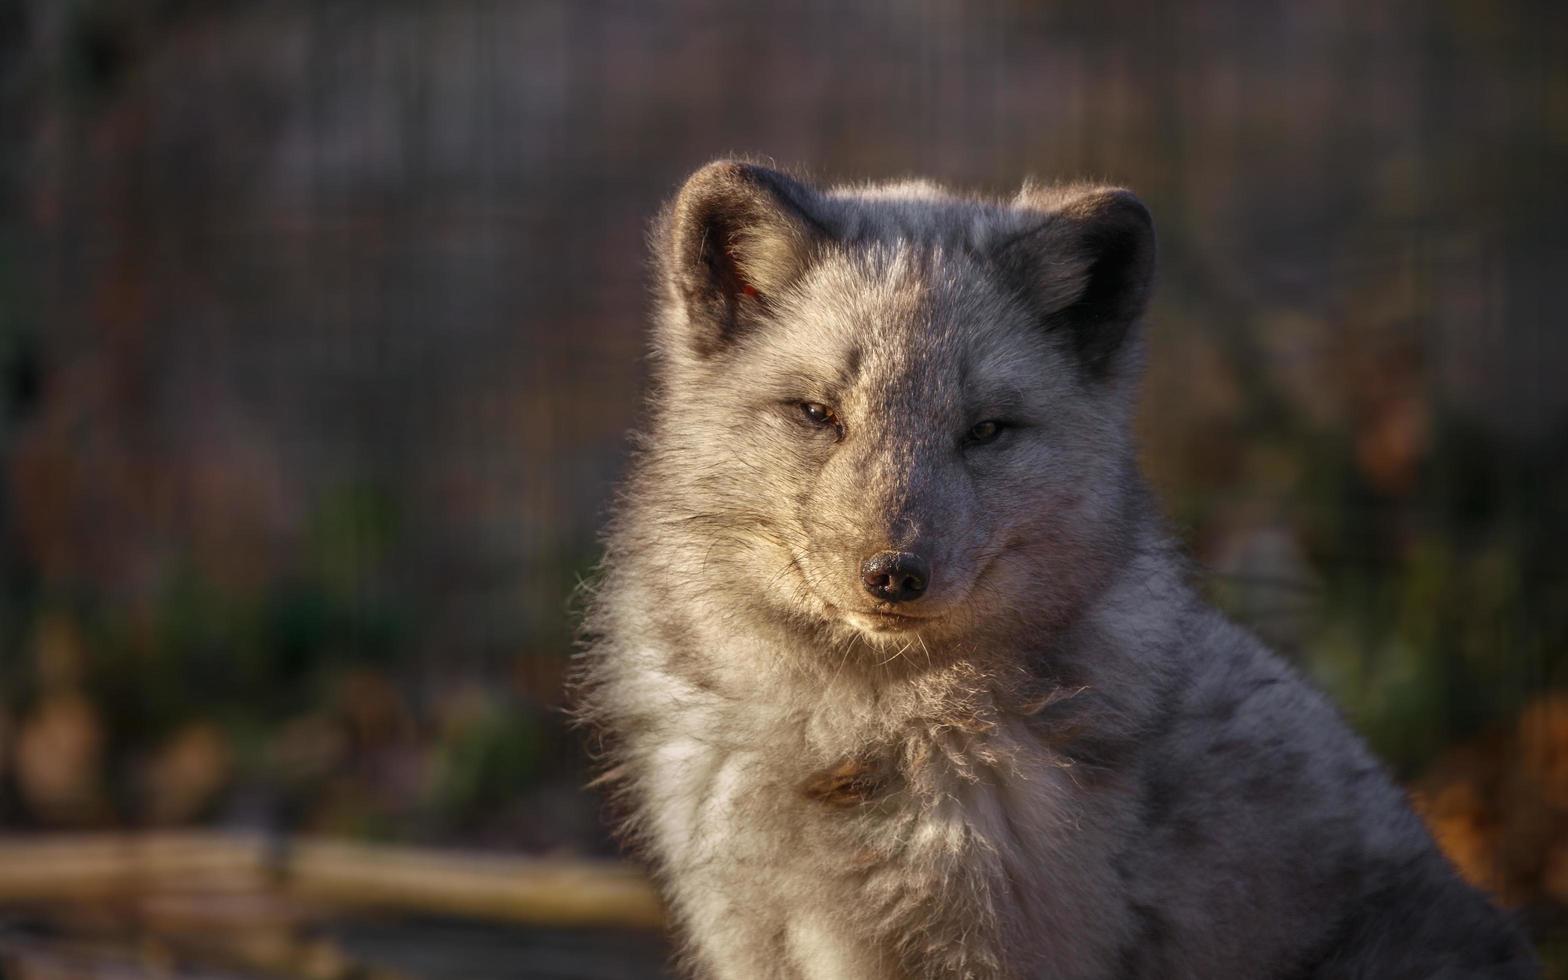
896,674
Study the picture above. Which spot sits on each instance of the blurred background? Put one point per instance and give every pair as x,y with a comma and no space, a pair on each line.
321,328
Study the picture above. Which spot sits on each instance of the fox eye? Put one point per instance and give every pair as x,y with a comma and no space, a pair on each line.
815,413
821,416
984,432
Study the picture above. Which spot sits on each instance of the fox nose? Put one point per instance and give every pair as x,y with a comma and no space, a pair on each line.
895,576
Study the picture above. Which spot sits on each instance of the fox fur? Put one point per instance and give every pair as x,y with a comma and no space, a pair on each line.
1055,761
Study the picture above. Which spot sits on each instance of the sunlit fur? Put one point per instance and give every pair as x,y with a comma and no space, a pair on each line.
1068,766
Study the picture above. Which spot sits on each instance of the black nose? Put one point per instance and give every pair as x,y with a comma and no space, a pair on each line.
895,576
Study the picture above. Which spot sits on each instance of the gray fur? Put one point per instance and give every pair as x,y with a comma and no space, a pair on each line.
1071,767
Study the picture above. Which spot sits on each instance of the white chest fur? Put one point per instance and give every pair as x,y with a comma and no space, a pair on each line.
850,841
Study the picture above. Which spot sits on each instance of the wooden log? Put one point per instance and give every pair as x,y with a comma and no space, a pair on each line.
154,868
542,891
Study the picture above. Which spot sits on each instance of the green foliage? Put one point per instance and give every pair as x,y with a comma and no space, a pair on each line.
484,757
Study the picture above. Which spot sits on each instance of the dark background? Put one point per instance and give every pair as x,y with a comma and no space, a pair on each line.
321,325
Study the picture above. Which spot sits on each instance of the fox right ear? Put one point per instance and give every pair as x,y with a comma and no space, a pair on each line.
736,238
1086,266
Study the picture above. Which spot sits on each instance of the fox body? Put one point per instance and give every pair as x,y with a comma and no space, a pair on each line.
896,674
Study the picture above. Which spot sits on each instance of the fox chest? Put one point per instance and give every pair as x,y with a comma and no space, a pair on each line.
859,841
786,803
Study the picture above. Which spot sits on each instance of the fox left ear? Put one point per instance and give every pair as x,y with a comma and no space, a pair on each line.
736,238
1085,265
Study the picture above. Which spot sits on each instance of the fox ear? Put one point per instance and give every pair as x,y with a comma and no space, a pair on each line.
735,239
1085,266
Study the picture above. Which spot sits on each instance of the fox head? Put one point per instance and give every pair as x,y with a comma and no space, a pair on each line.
891,414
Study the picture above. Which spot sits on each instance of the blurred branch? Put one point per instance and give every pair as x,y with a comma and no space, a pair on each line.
74,869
